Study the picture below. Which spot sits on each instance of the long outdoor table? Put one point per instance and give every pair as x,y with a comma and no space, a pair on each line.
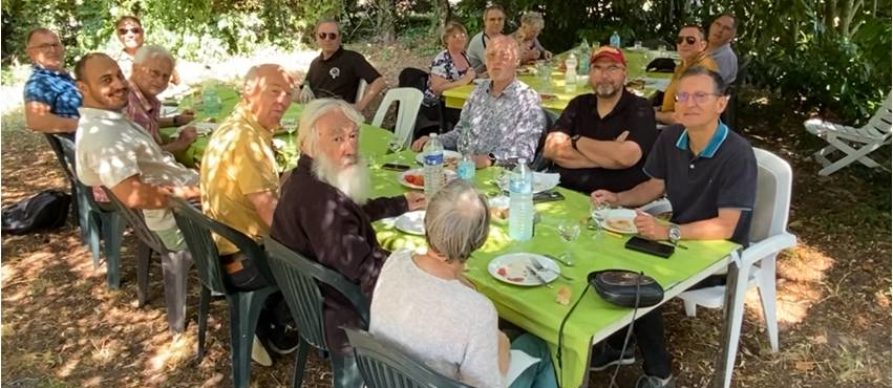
636,61
535,309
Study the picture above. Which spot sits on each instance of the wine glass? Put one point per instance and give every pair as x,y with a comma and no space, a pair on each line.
395,145
598,211
569,231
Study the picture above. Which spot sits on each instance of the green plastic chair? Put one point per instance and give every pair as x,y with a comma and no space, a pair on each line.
174,265
384,366
97,222
56,146
299,279
244,306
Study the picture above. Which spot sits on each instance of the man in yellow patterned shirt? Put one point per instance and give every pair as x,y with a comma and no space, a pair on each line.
691,45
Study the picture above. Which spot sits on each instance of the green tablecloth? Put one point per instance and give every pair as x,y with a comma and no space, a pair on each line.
636,60
535,309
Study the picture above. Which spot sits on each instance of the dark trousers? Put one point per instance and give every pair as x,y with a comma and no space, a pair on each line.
249,278
649,334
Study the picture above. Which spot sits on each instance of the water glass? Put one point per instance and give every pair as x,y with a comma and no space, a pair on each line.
598,212
569,231
638,45
662,50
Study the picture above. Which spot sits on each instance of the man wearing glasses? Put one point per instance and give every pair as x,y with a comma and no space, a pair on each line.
51,96
691,46
709,175
721,33
602,138
337,72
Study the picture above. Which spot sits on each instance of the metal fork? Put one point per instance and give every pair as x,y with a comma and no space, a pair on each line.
540,267
538,277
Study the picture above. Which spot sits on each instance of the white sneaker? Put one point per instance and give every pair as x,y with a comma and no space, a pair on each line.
259,353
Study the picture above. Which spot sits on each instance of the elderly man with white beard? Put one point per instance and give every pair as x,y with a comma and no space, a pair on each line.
324,213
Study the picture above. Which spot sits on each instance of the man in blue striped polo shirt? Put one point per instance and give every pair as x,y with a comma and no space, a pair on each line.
51,97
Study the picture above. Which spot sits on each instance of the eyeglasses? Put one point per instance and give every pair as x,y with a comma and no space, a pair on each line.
132,30
698,97
331,35
47,46
687,39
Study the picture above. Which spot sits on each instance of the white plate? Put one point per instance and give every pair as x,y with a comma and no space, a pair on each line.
448,157
513,269
450,175
541,182
620,221
411,222
201,127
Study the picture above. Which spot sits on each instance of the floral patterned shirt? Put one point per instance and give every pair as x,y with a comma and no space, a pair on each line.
443,66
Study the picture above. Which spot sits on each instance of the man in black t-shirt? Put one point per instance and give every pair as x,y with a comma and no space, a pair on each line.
336,72
709,174
602,139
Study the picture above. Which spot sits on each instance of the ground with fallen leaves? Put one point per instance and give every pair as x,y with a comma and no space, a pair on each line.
63,327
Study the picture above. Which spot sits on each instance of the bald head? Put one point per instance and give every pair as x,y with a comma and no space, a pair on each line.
502,58
266,94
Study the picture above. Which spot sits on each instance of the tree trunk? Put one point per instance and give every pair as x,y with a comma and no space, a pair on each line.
385,20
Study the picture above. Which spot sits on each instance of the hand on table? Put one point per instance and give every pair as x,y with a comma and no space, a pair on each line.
415,201
186,117
649,227
481,161
419,144
604,196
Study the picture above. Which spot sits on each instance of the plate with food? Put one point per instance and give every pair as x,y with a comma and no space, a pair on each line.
411,223
519,269
548,96
450,159
620,221
541,182
415,179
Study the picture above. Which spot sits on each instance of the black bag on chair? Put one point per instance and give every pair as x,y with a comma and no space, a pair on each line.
44,211
661,65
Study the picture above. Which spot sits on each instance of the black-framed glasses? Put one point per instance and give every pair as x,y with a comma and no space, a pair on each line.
132,30
698,97
330,35
687,39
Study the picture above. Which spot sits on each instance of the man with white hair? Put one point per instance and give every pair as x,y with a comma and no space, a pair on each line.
326,215
502,114
152,68
240,187
51,97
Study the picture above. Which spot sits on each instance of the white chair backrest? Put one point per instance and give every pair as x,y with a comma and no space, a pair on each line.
410,100
882,118
361,90
773,200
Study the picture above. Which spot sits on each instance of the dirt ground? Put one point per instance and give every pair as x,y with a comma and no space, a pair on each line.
61,325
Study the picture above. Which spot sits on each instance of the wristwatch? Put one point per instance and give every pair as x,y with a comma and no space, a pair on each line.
492,159
674,233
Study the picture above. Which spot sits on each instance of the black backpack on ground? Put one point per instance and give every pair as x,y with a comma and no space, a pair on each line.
44,211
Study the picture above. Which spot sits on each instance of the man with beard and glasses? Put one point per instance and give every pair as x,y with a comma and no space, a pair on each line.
240,186
51,97
602,139
114,152
325,214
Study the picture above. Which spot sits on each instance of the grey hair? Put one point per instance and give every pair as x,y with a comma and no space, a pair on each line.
533,18
457,221
324,20
152,51
308,134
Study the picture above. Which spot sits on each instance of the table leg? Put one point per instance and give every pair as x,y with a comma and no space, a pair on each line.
734,314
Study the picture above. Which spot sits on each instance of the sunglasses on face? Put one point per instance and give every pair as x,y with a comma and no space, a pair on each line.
132,30
698,97
330,35
687,39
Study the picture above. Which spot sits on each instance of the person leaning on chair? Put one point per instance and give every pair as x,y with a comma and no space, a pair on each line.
326,215
709,174
691,46
460,338
337,72
51,97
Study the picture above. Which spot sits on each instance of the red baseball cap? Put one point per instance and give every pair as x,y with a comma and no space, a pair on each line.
607,52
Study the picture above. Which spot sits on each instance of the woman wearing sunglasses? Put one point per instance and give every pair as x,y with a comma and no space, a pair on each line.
130,32
691,45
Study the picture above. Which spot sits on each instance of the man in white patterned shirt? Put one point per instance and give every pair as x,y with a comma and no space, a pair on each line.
503,114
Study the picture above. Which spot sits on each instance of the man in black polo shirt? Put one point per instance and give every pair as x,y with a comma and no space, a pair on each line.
709,174
602,138
336,72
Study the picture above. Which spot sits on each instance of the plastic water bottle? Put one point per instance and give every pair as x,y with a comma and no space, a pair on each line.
570,73
615,39
584,58
521,202
433,166
210,101
466,167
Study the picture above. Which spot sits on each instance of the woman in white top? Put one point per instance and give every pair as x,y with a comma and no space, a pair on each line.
423,305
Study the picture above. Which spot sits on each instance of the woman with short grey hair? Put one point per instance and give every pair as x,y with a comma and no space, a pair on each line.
422,301
527,35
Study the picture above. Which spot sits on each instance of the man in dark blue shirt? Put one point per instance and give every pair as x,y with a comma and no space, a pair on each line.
709,174
51,97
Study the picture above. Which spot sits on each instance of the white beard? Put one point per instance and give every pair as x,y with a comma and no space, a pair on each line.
353,181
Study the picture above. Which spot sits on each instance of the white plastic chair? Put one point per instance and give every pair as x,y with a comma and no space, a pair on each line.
410,100
361,91
856,143
769,236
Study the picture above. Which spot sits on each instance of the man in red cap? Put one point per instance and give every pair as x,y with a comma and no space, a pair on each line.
602,138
